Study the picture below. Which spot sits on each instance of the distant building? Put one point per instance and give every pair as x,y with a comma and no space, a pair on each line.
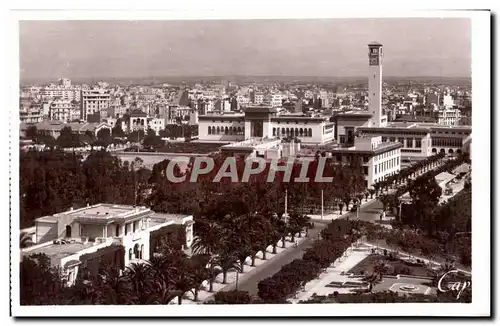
449,117
263,121
53,128
65,82
93,101
54,92
139,120
379,159
63,110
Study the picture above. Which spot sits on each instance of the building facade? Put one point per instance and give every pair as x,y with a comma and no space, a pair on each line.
94,101
264,122
379,159
66,236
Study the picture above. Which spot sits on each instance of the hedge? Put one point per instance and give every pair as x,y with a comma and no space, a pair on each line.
336,238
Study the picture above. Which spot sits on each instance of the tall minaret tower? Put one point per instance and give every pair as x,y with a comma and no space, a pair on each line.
375,83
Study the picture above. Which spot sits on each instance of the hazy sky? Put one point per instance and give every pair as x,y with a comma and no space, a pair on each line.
327,47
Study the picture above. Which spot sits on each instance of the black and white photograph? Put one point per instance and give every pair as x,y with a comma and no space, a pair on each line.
227,166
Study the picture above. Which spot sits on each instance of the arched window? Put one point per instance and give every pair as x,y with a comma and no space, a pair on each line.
310,133
240,131
142,251
209,130
130,254
291,132
287,131
301,132
434,150
218,130
117,230
296,133
274,131
282,131
450,151
225,131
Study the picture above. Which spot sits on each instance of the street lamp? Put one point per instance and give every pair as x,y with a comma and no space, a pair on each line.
237,278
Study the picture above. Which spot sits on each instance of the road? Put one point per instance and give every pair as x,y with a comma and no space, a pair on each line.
248,282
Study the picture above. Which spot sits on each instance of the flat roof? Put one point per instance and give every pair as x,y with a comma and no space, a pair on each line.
58,251
352,114
221,116
382,148
299,117
100,213
260,109
160,218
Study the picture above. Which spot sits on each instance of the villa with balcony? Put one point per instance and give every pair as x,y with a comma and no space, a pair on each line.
65,237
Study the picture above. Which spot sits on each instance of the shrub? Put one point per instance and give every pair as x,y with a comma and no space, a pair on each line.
336,238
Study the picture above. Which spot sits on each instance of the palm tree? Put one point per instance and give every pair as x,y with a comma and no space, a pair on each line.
371,280
381,268
199,272
212,272
227,260
116,288
447,266
25,240
208,239
140,276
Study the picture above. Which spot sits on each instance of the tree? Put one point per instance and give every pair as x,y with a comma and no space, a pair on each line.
117,130
153,141
39,282
208,237
104,137
199,272
25,240
32,133
227,261
140,276
67,139
232,297
371,280
381,268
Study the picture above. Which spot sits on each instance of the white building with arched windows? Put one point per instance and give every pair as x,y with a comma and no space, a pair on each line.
65,237
265,122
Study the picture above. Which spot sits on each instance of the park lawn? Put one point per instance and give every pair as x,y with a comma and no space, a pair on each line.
397,266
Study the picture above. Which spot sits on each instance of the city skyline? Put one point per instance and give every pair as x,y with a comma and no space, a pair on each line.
414,47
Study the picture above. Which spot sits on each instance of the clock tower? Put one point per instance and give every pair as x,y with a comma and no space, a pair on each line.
375,83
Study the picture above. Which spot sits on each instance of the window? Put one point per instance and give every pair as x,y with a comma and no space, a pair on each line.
365,170
393,139
418,143
117,230
375,169
409,142
384,139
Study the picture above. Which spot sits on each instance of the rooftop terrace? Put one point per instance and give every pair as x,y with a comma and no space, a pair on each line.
58,251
